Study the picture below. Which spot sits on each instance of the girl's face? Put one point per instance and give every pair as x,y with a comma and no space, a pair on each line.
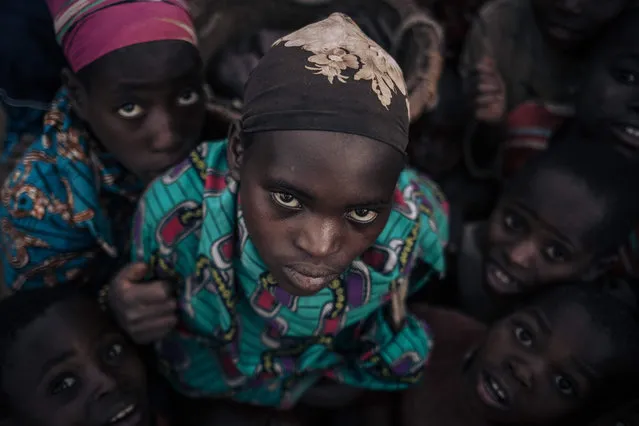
608,106
150,113
313,201
538,237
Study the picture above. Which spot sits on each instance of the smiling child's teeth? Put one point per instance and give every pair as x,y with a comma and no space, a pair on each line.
632,131
122,414
502,276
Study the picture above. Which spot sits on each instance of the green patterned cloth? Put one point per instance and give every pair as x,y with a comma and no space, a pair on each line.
242,336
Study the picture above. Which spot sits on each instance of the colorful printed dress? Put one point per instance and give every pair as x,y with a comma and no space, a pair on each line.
65,207
243,337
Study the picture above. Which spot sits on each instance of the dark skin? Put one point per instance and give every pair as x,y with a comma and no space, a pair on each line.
72,367
571,24
608,107
538,236
149,113
626,415
539,366
313,201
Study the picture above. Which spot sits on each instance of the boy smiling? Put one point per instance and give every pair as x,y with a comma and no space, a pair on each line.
65,362
563,216
291,245
541,365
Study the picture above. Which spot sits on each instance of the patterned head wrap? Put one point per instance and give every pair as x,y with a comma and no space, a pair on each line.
89,29
329,76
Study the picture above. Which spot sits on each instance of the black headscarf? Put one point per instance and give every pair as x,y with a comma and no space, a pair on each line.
329,76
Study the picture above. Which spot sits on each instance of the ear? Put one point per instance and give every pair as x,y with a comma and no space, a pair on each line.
235,150
77,93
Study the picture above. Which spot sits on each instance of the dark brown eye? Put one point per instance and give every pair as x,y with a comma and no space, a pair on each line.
514,222
286,200
524,336
564,385
556,253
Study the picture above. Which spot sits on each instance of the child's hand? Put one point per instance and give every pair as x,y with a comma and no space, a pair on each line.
490,94
398,304
146,310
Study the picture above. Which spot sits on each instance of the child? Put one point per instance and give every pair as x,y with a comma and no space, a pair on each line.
563,216
132,106
290,245
526,54
606,108
542,365
64,362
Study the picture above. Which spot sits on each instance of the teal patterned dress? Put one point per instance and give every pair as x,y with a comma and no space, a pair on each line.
240,335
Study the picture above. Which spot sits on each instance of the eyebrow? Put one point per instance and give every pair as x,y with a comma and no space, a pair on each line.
306,195
52,362
541,320
545,224
585,368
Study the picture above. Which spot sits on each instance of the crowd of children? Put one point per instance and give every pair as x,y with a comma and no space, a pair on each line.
399,212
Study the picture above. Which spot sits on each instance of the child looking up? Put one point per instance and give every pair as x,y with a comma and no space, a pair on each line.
563,216
522,66
542,365
64,362
290,245
132,106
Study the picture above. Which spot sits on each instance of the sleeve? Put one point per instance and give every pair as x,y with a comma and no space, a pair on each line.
41,244
387,359
434,227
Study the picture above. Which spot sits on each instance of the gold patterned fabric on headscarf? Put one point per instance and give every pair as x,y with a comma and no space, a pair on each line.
329,76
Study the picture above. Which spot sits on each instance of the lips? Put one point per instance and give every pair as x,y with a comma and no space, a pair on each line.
500,281
492,392
309,280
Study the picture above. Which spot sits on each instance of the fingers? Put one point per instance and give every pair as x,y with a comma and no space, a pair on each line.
133,272
153,329
146,310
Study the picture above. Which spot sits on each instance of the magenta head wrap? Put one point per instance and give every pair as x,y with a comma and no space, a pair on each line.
89,29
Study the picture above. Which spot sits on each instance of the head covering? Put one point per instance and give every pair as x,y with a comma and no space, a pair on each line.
89,29
329,76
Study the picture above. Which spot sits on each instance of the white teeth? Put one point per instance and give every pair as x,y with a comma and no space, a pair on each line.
501,276
632,131
498,390
122,414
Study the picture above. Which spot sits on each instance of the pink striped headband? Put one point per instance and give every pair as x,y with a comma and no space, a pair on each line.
89,29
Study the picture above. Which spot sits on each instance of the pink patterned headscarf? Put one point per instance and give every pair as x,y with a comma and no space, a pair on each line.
89,29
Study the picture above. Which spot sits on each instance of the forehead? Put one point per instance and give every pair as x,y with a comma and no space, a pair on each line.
318,159
563,201
148,63
576,334
72,325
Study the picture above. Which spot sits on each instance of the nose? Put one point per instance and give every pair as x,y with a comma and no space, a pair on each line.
102,382
164,138
521,372
319,237
522,253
